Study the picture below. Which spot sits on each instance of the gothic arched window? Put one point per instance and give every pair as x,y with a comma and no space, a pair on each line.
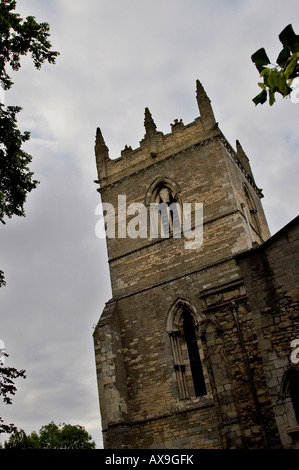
187,351
165,209
169,211
190,337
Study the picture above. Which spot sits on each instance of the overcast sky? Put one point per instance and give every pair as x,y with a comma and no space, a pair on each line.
116,58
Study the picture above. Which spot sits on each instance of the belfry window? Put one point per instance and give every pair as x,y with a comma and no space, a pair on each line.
169,210
186,350
165,208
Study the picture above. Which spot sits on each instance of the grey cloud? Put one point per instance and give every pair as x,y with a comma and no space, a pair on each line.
117,58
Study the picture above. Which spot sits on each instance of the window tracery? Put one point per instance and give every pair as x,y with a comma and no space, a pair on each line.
191,375
165,208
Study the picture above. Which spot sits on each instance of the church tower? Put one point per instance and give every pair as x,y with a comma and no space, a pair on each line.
178,365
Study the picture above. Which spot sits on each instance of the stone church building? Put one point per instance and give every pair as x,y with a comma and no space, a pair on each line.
198,347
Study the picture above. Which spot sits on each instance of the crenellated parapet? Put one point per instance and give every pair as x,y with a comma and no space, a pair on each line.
156,146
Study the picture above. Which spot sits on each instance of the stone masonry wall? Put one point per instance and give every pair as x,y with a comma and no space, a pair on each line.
202,175
228,416
271,276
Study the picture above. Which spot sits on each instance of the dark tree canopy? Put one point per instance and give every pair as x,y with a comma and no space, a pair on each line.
51,436
18,37
7,390
278,78
16,180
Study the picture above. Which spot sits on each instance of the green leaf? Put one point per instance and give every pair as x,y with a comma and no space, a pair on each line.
260,98
289,82
291,66
288,91
289,39
260,59
265,72
283,57
271,97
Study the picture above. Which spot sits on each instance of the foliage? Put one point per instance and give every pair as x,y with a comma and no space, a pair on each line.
2,279
278,78
51,436
18,37
7,389
15,178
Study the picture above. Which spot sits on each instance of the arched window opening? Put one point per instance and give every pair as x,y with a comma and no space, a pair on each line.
194,357
165,208
169,210
190,374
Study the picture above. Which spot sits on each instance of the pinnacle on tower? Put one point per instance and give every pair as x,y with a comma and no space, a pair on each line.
243,159
150,126
101,148
204,103
102,154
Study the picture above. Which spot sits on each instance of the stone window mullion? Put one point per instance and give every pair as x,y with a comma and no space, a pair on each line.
179,364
